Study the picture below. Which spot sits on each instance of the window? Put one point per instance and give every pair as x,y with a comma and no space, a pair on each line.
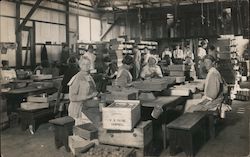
89,29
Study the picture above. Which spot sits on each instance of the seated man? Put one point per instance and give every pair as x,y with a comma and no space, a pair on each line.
213,91
151,69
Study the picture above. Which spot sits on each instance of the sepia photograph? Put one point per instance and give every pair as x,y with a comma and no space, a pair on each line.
124,78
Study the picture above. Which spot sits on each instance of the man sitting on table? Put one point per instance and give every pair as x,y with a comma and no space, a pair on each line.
213,91
151,69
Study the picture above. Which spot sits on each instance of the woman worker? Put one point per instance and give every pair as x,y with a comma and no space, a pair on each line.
81,89
124,77
213,91
151,69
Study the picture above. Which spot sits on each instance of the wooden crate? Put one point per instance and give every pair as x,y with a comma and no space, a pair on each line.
224,55
33,105
153,84
177,73
41,98
109,151
121,115
139,137
179,67
78,145
87,131
125,94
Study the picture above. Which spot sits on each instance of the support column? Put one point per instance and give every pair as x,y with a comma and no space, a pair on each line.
67,21
18,37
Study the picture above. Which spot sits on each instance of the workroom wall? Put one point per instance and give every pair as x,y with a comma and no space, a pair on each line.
49,26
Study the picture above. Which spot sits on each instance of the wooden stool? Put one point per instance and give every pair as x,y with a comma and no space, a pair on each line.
35,117
63,128
189,132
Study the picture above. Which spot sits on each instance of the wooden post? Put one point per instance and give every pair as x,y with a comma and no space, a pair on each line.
18,38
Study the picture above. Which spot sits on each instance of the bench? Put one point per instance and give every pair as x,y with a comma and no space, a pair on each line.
33,118
188,132
63,128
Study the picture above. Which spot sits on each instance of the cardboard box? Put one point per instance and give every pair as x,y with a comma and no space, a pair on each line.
87,131
121,115
141,135
33,105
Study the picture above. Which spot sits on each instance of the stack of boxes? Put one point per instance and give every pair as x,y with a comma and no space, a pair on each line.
38,101
180,72
121,126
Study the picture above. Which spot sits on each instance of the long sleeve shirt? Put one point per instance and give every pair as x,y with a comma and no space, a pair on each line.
81,87
149,72
123,77
178,54
201,52
213,84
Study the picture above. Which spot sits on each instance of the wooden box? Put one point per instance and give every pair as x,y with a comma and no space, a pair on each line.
78,145
179,67
177,73
87,131
224,55
33,105
141,135
153,84
121,115
125,94
41,98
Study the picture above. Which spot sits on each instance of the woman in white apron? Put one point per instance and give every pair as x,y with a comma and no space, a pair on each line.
81,90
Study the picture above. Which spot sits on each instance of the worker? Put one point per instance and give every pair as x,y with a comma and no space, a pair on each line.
213,90
72,69
7,73
63,58
137,62
43,68
167,55
91,56
151,70
81,89
147,54
212,51
188,54
178,55
201,53
109,73
124,77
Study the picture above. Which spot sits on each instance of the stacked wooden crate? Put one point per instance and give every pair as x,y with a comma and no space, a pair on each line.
84,137
38,101
243,94
121,121
226,48
179,70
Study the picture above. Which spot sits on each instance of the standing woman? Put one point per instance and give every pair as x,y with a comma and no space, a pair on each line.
81,89
124,77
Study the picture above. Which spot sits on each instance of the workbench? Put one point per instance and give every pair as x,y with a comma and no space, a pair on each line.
16,96
165,102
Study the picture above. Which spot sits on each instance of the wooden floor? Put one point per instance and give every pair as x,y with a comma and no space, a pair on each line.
231,141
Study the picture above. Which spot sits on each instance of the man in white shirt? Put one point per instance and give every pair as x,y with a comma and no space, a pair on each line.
178,53
167,55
